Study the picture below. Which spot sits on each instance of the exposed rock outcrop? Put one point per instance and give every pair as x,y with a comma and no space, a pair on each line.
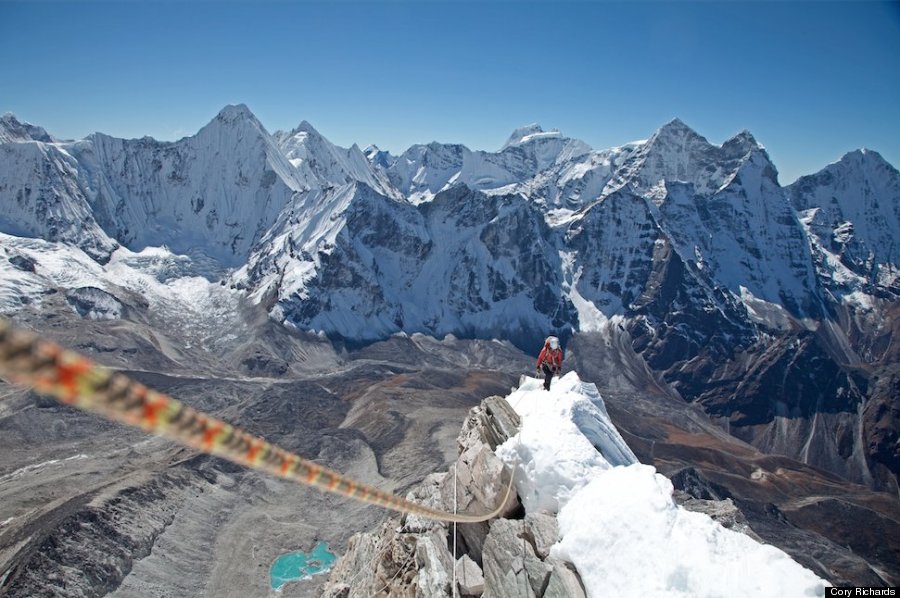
723,511
508,556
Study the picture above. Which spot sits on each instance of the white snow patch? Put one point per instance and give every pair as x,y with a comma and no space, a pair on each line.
859,299
560,217
769,314
590,319
552,134
627,537
161,278
38,466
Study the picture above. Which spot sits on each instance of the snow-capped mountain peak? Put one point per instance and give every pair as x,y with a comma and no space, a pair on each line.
677,153
14,130
676,137
238,118
321,163
851,209
306,127
234,112
866,158
524,134
765,306
741,144
235,126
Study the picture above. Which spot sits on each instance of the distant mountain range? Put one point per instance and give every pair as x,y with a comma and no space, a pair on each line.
773,308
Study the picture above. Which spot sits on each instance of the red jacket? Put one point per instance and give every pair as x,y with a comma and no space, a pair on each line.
553,357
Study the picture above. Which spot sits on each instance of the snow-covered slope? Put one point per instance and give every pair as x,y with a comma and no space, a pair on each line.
215,193
320,163
377,157
35,271
42,197
618,522
677,153
424,170
724,211
719,208
363,266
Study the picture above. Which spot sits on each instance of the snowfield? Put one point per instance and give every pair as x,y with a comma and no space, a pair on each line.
618,522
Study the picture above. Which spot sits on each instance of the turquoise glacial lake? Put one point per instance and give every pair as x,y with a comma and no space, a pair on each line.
295,566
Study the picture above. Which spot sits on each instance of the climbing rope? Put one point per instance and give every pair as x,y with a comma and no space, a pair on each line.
455,476
74,379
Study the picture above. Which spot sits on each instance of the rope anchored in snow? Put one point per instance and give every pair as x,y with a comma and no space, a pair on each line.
76,380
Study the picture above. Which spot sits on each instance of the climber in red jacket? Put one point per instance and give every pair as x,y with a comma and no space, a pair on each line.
550,360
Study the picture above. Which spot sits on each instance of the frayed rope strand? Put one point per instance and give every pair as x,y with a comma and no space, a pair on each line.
27,360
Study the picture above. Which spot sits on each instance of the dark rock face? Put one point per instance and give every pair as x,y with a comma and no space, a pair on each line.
881,420
22,262
615,242
94,303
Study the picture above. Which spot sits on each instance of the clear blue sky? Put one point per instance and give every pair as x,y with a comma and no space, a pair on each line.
811,80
